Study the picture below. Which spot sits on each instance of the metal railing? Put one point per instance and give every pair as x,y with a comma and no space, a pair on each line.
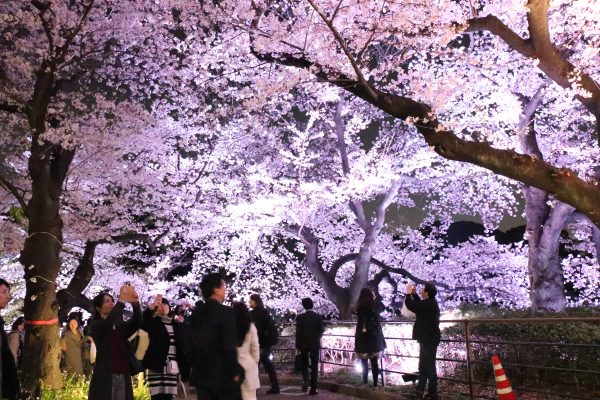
463,355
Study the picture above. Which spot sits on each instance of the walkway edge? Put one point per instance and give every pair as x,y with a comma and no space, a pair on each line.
358,392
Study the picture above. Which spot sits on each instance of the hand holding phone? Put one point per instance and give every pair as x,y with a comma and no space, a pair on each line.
157,301
127,294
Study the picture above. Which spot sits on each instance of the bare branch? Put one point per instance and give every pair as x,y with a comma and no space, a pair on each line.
75,31
356,206
340,40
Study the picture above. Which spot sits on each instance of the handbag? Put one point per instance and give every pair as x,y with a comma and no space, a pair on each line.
172,367
405,312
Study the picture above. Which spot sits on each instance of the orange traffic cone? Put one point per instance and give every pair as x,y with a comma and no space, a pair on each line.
503,388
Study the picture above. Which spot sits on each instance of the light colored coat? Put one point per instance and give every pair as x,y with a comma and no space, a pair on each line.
248,355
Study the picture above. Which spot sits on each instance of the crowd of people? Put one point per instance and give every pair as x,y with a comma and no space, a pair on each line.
214,347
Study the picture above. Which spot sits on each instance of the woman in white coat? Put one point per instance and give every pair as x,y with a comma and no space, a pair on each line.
248,351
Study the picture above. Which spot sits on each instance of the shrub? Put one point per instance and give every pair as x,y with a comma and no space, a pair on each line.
520,348
76,388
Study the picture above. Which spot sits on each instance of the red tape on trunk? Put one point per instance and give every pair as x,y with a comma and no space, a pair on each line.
46,322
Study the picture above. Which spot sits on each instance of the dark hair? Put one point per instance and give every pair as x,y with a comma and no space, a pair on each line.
98,301
256,298
430,289
242,321
307,303
76,316
179,310
3,282
18,321
366,301
209,283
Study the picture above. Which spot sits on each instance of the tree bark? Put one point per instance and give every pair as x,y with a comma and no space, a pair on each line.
371,229
48,166
546,279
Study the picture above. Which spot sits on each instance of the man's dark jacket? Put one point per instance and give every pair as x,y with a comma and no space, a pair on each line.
10,379
309,329
158,348
212,345
427,324
265,326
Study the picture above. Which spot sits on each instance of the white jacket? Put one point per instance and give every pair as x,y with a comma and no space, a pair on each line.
248,355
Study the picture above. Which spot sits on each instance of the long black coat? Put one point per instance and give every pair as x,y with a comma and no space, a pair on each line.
155,358
10,379
213,345
101,383
309,329
264,325
369,335
427,325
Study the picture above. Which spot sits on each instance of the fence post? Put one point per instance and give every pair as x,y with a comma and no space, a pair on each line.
321,364
382,370
469,358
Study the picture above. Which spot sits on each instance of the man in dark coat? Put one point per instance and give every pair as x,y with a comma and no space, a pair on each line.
427,332
267,338
309,329
215,372
111,379
9,380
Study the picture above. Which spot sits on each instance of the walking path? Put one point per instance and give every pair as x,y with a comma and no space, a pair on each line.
294,392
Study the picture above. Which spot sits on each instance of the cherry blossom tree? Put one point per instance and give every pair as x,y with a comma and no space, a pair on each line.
72,79
449,70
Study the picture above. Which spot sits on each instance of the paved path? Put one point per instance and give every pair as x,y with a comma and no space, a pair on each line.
294,392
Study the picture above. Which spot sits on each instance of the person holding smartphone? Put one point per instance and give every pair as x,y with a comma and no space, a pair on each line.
164,358
426,331
111,379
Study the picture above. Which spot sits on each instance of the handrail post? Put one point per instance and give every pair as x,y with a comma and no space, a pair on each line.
321,364
382,370
469,359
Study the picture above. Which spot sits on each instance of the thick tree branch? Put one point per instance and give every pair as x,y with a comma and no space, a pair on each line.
540,47
72,295
382,206
562,183
16,192
335,266
495,26
12,108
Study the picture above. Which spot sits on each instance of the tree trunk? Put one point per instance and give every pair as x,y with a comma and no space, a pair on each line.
545,268
40,258
48,166
546,281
